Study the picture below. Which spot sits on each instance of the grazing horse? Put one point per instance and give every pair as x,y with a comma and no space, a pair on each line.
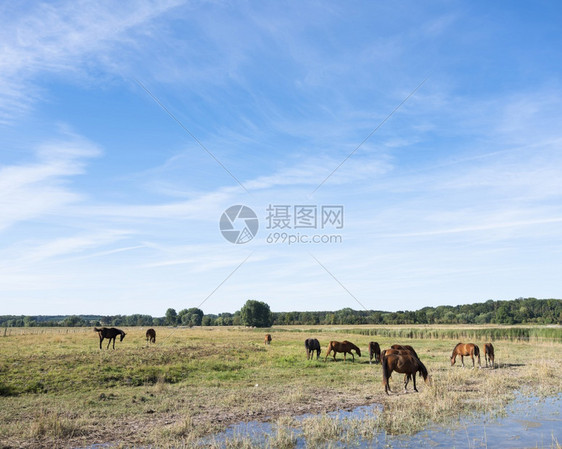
110,333
405,348
466,349
151,335
311,345
343,346
374,350
267,339
401,349
489,354
405,363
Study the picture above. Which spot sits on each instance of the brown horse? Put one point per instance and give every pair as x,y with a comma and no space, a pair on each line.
311,345
267,339
489,354
374,350
466,349
109,333
405,363
343,346
405,348
401,350
151,335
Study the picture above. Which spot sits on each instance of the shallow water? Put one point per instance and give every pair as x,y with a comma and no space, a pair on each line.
529,422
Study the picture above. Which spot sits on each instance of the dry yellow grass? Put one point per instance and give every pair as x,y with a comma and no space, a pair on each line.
194,382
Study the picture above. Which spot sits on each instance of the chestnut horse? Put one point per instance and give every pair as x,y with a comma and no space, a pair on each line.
343,346
374,350
466,349
311,345
405,348
267,339
401,349
151,335
489,354
405,363
109,333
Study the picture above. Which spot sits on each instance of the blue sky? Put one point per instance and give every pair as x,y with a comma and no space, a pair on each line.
108,205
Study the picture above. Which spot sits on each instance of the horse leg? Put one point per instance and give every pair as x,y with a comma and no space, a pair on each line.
415,389
406,380
352,356
462,360
101,339
387,382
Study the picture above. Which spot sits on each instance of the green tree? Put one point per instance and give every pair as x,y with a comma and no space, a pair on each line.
256,313
171,317
29,321
191,317
73,321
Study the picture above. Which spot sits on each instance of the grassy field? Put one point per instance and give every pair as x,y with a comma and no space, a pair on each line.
57,389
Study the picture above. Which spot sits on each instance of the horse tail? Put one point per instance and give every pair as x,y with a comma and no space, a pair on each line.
422,370
476,350
384,370
330,345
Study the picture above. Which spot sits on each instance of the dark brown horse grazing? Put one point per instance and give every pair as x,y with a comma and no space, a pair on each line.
342,346
374,350
405,363
311,345
401,350
109,333
405,348
267,339
151,335
466,349
489,354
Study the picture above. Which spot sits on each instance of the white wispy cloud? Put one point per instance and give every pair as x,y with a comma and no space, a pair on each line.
30,190
59,40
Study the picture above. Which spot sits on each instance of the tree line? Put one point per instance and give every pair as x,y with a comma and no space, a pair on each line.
258,314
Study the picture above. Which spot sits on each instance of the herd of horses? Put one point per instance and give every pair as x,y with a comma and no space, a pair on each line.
402,359
111,333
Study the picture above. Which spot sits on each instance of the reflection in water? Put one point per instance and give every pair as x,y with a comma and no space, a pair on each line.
529,422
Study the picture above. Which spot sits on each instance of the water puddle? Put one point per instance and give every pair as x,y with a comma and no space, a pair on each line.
528,422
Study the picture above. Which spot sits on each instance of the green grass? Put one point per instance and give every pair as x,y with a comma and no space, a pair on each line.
58,389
